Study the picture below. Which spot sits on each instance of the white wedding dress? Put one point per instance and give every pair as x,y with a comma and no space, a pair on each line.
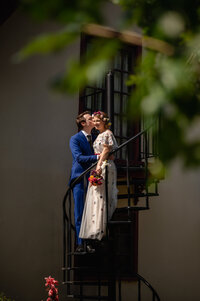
93,225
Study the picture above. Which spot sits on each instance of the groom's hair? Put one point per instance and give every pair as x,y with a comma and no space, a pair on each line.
80,118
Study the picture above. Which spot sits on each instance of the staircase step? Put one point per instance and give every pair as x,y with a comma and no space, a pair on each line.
119,222
82,268
77,253
74,268
132,168
134,208
133,195
122,254
133,181
88,297
92,283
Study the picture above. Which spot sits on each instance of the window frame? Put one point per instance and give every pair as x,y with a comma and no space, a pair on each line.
131,261
132,127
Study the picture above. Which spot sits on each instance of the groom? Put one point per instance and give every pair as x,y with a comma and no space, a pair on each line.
83,157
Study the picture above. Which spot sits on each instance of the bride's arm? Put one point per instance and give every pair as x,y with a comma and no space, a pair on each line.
104,156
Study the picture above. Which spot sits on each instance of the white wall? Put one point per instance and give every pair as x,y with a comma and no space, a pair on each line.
169,237
169,240
35,127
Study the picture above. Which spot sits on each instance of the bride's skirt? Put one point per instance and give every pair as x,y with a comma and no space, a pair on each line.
93,225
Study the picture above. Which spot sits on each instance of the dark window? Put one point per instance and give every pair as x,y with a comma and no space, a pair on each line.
93,98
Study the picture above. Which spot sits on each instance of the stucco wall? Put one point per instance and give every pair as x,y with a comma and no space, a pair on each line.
169,237
35,126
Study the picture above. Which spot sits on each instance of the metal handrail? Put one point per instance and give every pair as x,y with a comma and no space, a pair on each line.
65,216
155,294
94,164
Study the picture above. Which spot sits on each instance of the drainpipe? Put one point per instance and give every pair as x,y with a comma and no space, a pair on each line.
110,97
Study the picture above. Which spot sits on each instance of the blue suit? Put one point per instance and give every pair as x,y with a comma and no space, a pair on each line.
83,157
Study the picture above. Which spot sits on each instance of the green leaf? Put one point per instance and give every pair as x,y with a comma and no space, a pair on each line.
48,43
91,68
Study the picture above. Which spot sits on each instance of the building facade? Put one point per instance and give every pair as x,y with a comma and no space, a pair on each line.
36,126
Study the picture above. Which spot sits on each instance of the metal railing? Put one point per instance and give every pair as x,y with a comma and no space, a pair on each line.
139,279
68,226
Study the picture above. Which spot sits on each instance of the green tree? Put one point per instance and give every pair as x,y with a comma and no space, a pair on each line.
166,82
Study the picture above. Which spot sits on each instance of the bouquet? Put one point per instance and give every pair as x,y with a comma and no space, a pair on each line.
95,179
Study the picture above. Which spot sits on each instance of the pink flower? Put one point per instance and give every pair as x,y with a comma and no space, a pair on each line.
97,113
51,293
51,284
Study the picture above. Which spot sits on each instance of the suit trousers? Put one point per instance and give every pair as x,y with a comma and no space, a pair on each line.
78,194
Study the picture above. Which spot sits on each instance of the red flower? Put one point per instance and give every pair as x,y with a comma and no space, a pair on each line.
97,113
95,179
51,293
51,284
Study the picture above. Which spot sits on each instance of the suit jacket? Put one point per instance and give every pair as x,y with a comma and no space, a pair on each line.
82,154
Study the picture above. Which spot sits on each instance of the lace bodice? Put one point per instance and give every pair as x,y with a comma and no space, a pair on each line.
106,137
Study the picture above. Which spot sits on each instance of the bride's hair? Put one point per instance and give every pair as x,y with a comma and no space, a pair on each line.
104,117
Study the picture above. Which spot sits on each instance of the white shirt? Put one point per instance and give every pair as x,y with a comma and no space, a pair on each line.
86,134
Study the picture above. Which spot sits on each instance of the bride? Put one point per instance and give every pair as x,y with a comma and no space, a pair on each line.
93,225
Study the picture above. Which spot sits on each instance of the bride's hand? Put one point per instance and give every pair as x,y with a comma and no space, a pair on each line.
98,170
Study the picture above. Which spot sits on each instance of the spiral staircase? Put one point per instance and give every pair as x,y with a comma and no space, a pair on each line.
100,276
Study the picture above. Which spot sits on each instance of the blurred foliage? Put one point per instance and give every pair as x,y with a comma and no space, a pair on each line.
48,43
65,11
166,86
89,69
4,298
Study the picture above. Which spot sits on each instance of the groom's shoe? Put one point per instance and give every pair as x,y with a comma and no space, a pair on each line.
79,249
90,249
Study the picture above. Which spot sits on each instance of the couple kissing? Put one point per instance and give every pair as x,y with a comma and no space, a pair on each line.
91,215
